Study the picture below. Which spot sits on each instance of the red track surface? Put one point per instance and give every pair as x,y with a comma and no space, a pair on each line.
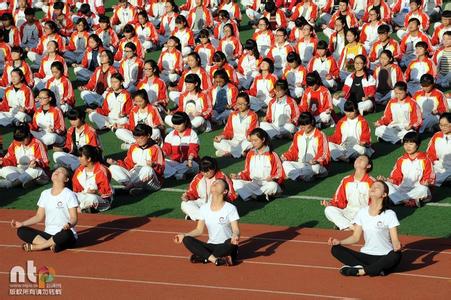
120,257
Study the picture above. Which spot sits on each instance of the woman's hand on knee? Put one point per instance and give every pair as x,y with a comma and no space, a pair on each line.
16,224
179,238
333,241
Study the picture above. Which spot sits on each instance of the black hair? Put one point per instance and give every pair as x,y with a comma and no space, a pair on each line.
143,94
76,113
322,45
299,22
175,7
58,65
283,30
208,163
231,28
153,64
223,74
446,115
58,5
354,32
128,28
110,56
244,95
85,9
195,79
365,60
386,199
90,152
384,28
401,85
144,14
52,96
387,52
313,78
306,118
142,130
427,80
423,45
18,49
104,19
378,13
415,20
264,19
418,2
180,19
8,17
96,39
196,57
29,11
177,41
21,132
224,13
204,33
181,117
370,162
251,45
270,7
219,56
412,137
84,22
350,106
263,135
446,14
52,26
20,73
117,76
447,32
270,62
131,46
282,84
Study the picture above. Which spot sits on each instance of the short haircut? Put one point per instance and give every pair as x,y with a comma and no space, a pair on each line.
208,163
306,118
401,85
427,80
21,132
76,114
142,130
412,137
350,106
384,28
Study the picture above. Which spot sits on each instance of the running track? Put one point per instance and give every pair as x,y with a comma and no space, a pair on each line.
135,257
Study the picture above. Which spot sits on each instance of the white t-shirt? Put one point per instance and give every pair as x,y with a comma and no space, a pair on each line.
218,222
376,231
57,209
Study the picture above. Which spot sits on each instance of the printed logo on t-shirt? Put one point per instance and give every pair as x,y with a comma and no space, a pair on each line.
59,204
222,220
380,225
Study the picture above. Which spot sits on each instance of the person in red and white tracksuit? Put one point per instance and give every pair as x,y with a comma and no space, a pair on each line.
308,155
279,50
61,86
92,181
223,97
124,13
235,139
368,33
154,85
419,66
92,58
325,65
352,136
181,148
18,102
131,67
26,161
78,135
384,42
351,196
142,113
146,31
306,44
170,61
45,68
248,64
262,88
198,192
401,115
263,36
409,41
431,101
282,114
48,121
386,74
439,150
263,173
230,45
317,100
295,74
143,167
411,176
115,108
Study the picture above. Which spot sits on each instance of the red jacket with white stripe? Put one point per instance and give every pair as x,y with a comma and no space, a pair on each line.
321,151
351,19
155,88
92,83
377,48
171,60
290,103
22,97
102,178
87,57
326,67
230,71
395,74
123,99
400,173
205,80
311,15
345,57
232,93
316,101
201,100
139,156
34,150
347,189
45,66
281,20
120,51
63,90
438,98
89,138
198,189
438,149
439,31
206,16
261,166
384,9
53,118
239,127
421,16
368,85
179,146
9,66
410,39
14,36
73,40
152,117
270,78
108,37
419,67
363,132
147,31
415,118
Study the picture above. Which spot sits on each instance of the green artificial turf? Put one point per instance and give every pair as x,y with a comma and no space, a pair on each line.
427,221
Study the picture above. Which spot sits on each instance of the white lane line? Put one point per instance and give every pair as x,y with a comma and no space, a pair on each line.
201,286
85,250
242,237
302,197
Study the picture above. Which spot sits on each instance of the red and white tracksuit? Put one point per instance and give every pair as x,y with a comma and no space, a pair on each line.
232,93
398,116
439,152
115,110
318,103
278,54
305,148
352,137
434,101
13,100
369,90
281,117
265,40
170,64
410,178
142,167
156,90
236,133
296,80
325,66
261,90
90,95
64,92
395,74
247,69
262,175
352,195
416,69
48,126
131,69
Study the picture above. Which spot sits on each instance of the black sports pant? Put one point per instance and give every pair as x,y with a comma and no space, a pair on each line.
372,264
63,239
204,250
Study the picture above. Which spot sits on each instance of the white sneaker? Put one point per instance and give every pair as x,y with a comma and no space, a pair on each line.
125,146
5,184
219,153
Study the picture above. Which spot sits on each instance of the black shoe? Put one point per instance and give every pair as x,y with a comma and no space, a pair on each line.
350,271
194,259
223,261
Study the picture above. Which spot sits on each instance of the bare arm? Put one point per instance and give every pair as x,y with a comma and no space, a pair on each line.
235,232
193,233
40,215
354,238
394,239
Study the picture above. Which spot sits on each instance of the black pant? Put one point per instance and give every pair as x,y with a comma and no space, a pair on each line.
204,250
372,264
63,239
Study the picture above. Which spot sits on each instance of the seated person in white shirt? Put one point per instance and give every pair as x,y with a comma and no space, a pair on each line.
58,206
381,252
221,219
